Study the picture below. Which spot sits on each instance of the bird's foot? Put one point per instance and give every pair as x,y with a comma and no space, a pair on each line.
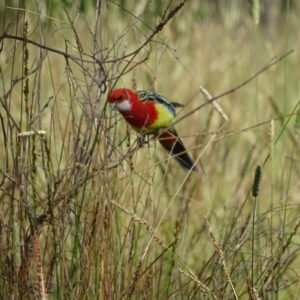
141,141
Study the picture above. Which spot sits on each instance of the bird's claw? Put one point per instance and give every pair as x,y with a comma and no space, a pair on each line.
141,141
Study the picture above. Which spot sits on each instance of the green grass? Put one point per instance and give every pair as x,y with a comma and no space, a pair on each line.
85,214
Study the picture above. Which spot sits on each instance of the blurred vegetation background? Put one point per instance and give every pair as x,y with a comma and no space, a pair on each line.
86,213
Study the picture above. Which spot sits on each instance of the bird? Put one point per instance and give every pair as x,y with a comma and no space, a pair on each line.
150,113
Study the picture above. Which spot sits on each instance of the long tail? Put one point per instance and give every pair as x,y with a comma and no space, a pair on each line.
170,141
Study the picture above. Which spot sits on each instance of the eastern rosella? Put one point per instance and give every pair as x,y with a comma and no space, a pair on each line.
151,113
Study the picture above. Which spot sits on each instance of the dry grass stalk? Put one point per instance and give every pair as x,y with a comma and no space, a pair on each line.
214,104
203,288
143,222
221,254
39,268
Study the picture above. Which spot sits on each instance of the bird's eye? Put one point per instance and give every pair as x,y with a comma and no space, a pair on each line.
120,97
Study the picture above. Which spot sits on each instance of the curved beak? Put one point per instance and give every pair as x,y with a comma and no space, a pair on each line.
112,105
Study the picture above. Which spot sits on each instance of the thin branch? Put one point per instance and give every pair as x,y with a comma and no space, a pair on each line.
266,67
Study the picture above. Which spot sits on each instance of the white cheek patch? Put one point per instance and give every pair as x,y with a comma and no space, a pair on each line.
125,105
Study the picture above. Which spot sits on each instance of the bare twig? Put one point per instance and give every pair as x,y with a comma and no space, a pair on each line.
266,67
